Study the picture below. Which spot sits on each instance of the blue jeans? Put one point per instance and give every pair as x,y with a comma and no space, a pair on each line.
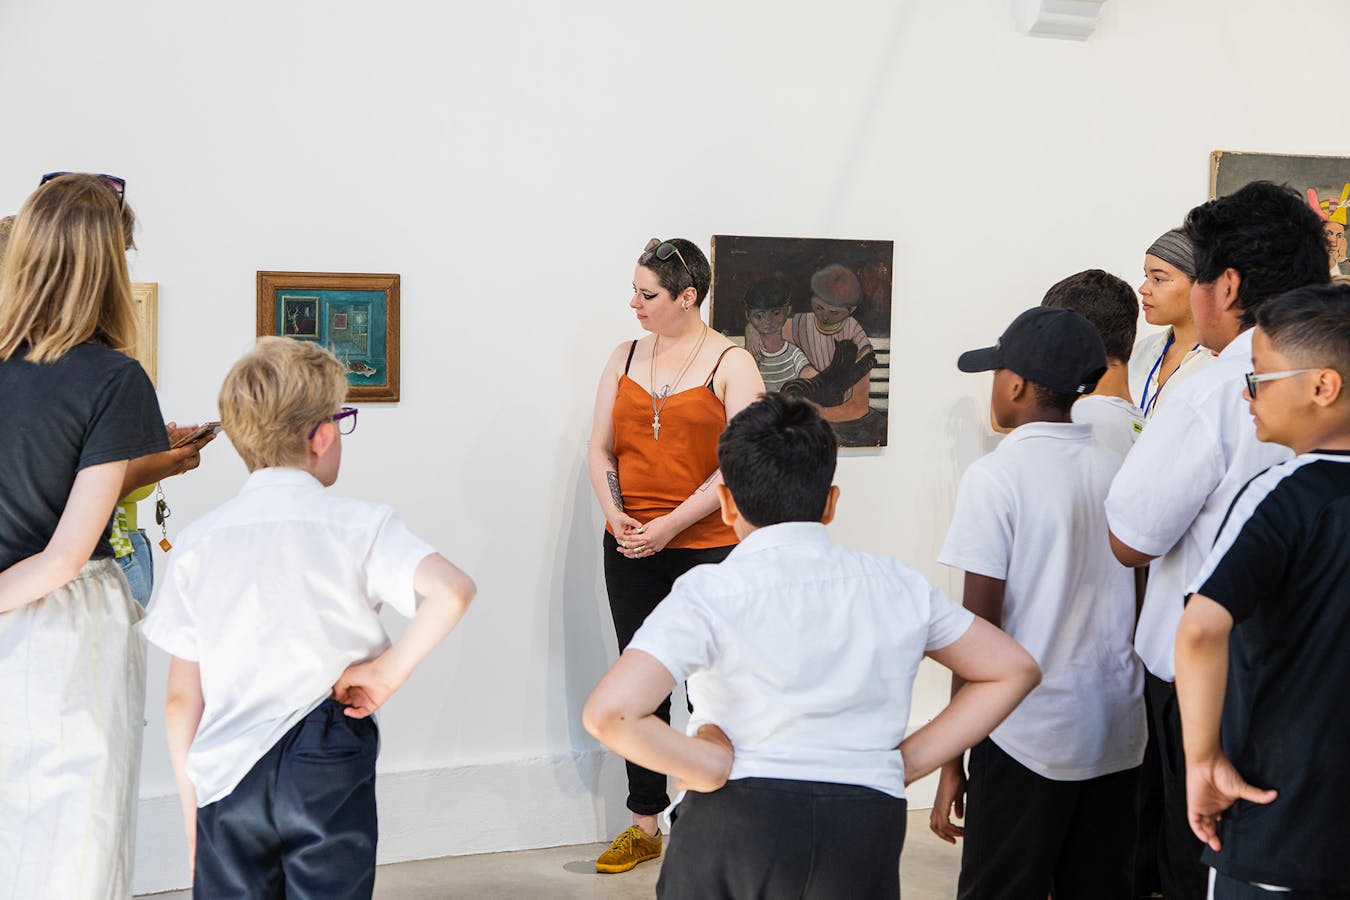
139,567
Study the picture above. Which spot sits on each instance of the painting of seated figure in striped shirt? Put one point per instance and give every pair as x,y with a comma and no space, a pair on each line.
816,315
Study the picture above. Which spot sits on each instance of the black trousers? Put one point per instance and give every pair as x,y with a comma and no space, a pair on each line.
772,838
301,825
1182,874
1226,888
635,588
1028,836
1146,879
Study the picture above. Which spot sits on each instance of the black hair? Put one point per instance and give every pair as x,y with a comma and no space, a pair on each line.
1311,325
1268,234
1104,300
769,293
673,275
777,457
1053,400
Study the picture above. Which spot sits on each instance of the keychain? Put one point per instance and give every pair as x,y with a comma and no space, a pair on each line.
162,513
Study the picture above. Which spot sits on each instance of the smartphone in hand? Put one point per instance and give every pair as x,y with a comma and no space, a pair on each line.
196,434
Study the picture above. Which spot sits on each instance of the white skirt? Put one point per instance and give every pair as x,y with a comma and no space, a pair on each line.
72,705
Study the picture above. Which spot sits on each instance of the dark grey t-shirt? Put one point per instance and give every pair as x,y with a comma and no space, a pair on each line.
92,406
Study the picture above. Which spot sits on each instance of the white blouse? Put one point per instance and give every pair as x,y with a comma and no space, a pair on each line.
1146,369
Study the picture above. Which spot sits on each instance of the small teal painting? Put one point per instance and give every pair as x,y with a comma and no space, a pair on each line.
350,323
355,315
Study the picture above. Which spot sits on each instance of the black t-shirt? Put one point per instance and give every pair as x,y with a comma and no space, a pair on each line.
92,406
1284,576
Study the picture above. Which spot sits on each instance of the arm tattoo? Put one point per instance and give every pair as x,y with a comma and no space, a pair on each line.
707,483
614,492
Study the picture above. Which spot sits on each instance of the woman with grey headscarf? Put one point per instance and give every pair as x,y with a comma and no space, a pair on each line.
1163,358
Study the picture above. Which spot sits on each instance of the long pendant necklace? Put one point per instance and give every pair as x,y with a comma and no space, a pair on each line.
664,394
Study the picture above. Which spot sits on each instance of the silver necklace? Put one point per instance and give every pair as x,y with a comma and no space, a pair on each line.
664,394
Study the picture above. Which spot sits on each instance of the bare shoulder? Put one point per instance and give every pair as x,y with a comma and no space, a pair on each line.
735,358
737,369
619,357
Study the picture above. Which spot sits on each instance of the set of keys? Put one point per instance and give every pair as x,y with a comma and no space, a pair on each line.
162,513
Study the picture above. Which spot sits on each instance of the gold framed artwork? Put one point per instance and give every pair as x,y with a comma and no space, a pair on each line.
1323,180
145,294
353,315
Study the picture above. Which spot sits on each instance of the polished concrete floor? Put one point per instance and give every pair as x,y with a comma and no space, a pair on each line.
928,871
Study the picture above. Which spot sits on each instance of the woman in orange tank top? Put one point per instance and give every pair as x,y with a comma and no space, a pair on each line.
660,409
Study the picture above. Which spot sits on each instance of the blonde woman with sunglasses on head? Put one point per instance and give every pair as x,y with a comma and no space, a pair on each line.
662,404
77,408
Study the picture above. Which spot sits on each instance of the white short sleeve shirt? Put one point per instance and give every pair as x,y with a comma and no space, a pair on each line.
804,653
273,595
1116,422
1145,363
1175,487
1031,514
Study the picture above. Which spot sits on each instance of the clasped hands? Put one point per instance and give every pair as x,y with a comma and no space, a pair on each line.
636,540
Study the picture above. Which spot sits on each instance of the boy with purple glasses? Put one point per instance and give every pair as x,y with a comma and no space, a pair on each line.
270,609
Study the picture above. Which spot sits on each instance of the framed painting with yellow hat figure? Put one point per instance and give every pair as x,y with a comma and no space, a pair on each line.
1324,180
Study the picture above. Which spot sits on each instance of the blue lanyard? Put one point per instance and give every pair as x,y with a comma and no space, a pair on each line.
1146,403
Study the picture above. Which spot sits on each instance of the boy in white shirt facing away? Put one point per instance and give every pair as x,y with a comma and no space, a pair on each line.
801,654
1108,303
1050,802
269,608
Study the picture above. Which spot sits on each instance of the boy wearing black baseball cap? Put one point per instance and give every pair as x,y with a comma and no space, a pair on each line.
1049,803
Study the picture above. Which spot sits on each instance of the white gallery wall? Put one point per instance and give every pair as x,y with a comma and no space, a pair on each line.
509,160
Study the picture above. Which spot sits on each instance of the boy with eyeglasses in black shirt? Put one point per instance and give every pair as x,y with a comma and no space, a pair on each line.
1260,651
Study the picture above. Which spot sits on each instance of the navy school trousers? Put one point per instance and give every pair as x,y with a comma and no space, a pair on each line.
301,825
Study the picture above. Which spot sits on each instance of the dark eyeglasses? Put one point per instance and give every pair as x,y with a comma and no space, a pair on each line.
664,250
345,419
1253,379
118,184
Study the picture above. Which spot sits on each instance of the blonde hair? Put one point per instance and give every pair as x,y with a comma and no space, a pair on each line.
274,396
64,280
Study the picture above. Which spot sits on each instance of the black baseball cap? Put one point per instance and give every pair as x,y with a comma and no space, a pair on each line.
1057,348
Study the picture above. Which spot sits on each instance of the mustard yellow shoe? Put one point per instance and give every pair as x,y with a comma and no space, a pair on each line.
632,846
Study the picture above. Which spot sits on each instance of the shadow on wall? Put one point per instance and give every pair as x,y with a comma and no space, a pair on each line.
581,633
968,436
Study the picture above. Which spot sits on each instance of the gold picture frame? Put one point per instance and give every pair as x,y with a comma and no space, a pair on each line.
355,315
1230,170
145,294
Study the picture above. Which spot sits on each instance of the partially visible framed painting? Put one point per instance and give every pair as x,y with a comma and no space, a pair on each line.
1323,180
145,294
354,315
815,313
